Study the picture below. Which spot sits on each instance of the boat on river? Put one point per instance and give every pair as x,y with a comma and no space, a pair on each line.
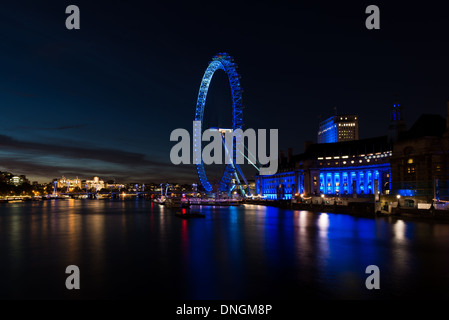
186,214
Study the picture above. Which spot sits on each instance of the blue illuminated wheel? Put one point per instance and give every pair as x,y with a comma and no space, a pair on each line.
226,63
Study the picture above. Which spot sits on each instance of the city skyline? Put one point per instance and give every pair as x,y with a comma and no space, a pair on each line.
220,157
103,100
151,180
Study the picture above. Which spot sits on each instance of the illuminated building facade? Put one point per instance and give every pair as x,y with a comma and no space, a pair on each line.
345,168
409,163
114,185
96,183
18,180
70,183
338,128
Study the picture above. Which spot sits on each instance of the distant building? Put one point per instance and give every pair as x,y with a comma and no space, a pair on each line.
112,184
18,180
151,186
338,128
71,183
96,183
5,176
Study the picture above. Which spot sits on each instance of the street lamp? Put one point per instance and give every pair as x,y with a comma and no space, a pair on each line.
398,196
322,197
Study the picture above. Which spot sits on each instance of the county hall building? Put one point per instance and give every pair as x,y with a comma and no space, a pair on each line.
411,163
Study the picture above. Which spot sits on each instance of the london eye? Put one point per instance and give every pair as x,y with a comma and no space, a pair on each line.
223,61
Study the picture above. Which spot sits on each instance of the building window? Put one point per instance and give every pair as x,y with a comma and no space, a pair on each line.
410,173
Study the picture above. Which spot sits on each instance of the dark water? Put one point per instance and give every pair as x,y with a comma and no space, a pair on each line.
137,249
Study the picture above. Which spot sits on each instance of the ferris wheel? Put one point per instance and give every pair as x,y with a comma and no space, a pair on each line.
232,171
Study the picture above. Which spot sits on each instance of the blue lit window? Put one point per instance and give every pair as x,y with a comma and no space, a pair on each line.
329,183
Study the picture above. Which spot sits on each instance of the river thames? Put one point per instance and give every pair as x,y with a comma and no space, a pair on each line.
140,249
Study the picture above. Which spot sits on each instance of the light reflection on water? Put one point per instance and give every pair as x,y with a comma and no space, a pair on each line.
139,249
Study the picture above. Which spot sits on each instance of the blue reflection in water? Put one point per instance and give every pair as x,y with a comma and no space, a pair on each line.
139,249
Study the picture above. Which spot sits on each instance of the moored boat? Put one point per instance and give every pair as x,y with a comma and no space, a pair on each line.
187,215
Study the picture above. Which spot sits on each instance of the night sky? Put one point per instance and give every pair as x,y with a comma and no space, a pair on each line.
104,99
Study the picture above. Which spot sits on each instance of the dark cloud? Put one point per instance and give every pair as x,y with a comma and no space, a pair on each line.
74,126
23,157
102,154
45,173
18,165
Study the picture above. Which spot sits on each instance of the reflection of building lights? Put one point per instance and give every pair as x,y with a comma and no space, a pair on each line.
399,230
323,221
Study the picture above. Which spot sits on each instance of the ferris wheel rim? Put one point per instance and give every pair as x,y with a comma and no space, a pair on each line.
226,63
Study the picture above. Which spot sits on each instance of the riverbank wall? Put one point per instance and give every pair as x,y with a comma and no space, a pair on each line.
362,209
